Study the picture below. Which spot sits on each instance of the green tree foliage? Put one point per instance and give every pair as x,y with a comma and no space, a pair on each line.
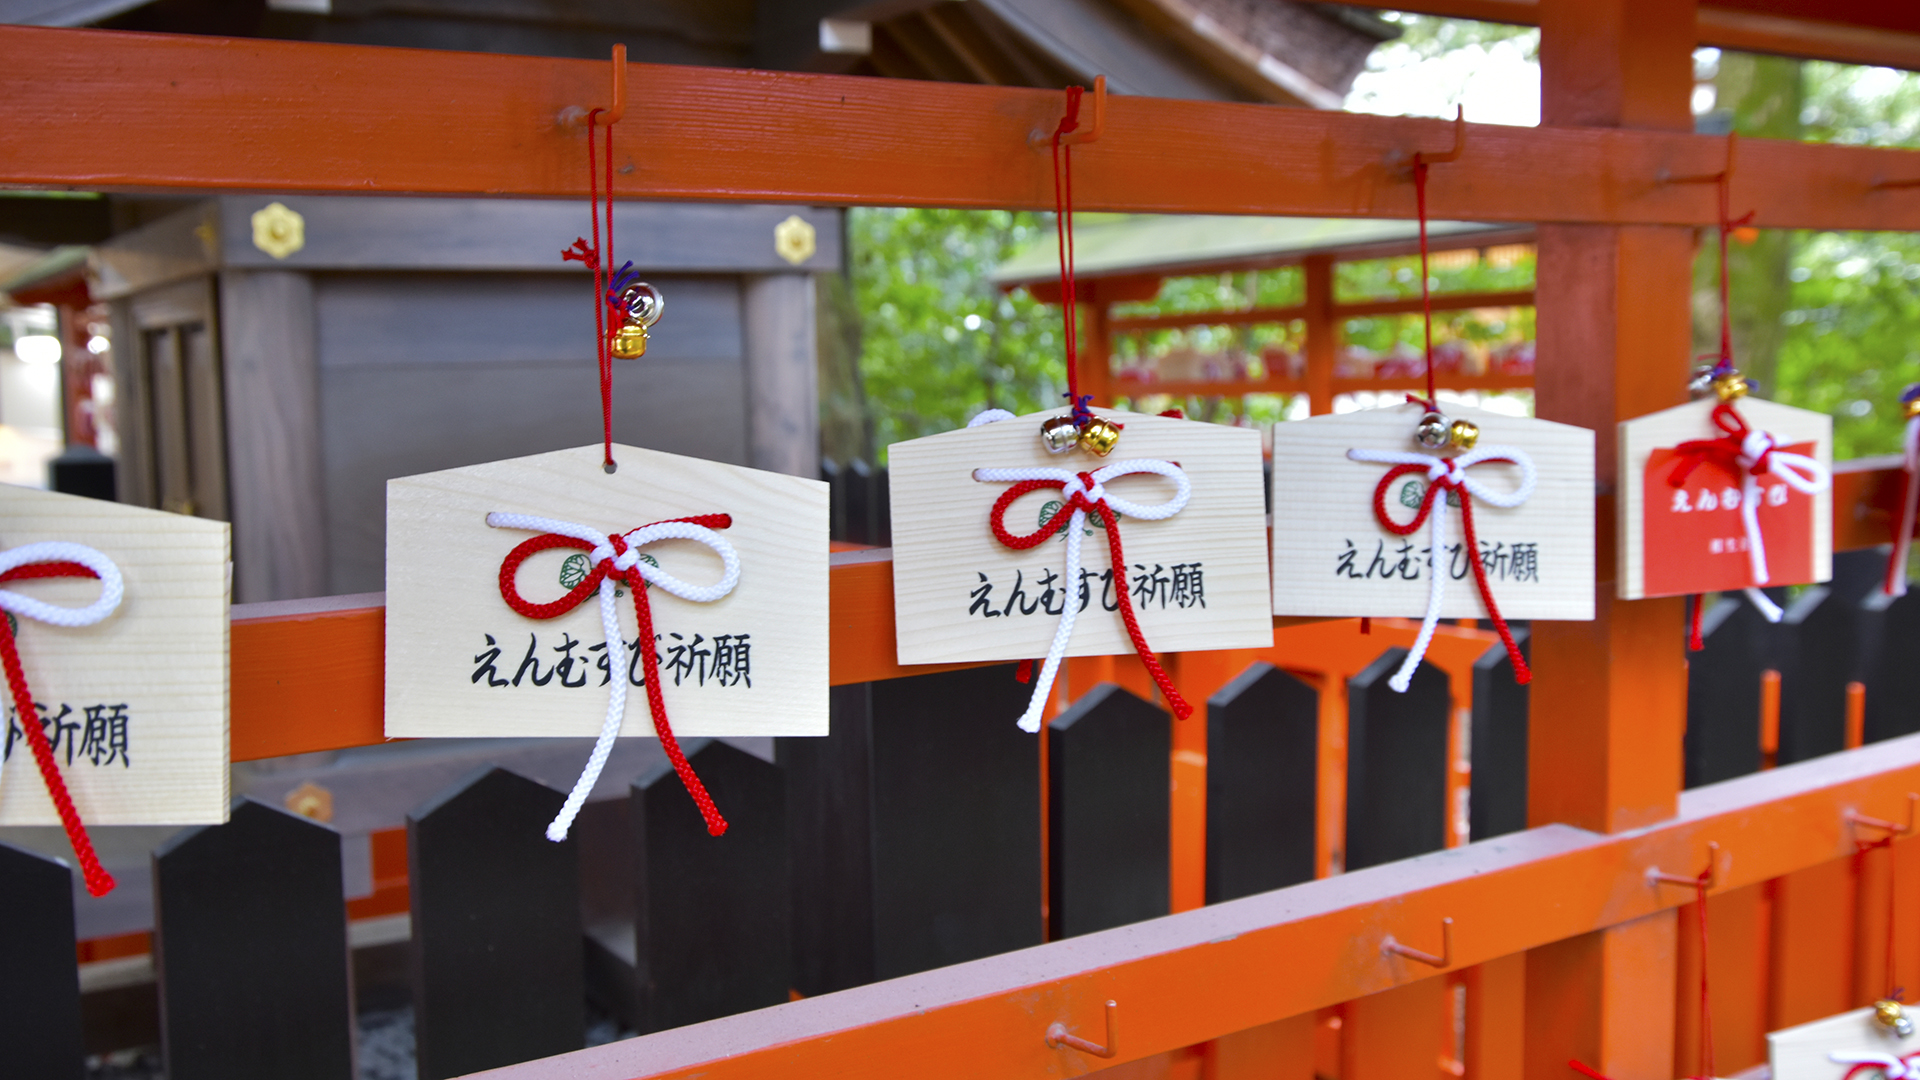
1852,334
939,342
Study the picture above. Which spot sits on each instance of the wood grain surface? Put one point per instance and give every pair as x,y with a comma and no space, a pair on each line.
1642,435
1322,501
210,113
162,654
443,599
942,544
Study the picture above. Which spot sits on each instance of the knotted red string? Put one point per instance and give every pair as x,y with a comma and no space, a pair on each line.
1426,298
643,613
1521,673
99,882
603,323
1723,450
1706,1009
1893,905
1063,232
1059,521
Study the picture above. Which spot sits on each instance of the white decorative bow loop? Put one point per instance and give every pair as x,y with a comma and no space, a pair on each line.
619,566
1081,492
112,585
1450,474
1893,1068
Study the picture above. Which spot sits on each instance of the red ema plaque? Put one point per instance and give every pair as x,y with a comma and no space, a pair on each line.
1696,538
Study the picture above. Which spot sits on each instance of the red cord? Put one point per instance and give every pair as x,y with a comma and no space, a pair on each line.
1426,300
1060,521
1706,1010
1063,231
99,882
604,318
643,615
1694,642
1521,673
1893,884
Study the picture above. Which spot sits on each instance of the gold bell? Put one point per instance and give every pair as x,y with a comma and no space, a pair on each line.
1890,1014
1462,434
1910,401
1060,434
630,341
1730,386
1100,436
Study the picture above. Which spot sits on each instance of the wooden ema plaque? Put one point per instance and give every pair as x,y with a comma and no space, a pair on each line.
1197,579
1331,557
1695,532
1807,1052
135,705
460,662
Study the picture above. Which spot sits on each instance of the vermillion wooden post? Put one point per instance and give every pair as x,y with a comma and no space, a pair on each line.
1609,697
1323,333
1096,352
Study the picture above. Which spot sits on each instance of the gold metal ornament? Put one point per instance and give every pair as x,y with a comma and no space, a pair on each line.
1911,409
1730,386
1463,434
643,305
1891,1014
630,341
1100,436
279,231
794,239
1060,434
1433,431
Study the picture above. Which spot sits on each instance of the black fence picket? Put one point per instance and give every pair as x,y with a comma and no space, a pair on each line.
1497,744
39,980
497,942
913,825
1263,781
860,503
1823,644
1893,669
1723,692
1108,811
713,915
250,944
1396,763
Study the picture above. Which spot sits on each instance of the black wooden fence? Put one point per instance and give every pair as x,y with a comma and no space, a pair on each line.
905,840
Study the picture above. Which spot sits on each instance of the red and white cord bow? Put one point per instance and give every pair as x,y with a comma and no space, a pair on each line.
54,559
616,561
1084,492
1449,474
1750,454
1864,1061
1903,539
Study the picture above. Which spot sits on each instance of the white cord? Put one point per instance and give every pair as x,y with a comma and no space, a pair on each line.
112,585
1098,496
610,621
1890,1066
1455,470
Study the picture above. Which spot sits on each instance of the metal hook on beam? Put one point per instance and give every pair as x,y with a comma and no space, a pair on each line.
1419,956
1057,1036
1656,876
1421,157
580,116
1085,133
1724,176
1862,821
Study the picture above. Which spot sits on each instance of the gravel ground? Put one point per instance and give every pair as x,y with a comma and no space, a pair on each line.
386,1048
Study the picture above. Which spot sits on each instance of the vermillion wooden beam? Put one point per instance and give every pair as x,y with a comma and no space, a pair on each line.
1817,38
99,110
1186,978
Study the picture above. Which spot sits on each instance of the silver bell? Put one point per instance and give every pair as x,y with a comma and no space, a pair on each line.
1060,434
1433,431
